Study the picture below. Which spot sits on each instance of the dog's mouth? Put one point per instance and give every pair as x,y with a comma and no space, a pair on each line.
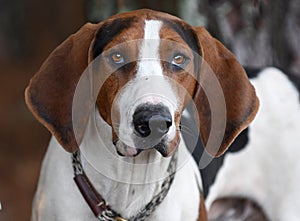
127,151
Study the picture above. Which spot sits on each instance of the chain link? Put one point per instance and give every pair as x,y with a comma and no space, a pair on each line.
157,199
110,215
76,163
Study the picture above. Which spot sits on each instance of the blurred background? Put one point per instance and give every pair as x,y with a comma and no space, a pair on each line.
259,32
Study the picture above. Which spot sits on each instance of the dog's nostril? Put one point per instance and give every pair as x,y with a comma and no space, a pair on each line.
143,129
152,121
156,125
159,125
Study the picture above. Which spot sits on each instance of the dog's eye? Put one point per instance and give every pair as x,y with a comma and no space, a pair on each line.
117,58
179,62
179,59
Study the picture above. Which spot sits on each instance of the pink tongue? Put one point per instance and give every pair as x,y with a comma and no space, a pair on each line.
131,151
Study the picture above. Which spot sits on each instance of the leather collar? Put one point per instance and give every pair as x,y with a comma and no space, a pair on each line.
98,205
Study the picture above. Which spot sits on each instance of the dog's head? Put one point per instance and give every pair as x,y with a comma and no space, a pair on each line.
154,64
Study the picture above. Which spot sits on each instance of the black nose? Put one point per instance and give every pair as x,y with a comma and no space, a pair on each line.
154,120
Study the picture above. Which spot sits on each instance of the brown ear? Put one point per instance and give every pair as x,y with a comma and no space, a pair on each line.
50,92
225,100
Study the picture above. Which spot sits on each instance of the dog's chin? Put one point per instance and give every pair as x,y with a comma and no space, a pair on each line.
127,151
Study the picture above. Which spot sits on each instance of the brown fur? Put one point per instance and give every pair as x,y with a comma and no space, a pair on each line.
50,92
240,98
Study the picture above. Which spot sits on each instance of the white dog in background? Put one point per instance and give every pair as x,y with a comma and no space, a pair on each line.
267,170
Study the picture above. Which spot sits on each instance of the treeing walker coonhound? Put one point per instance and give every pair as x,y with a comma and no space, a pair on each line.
112,95
258,178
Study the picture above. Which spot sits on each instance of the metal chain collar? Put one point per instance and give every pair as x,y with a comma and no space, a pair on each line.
110,215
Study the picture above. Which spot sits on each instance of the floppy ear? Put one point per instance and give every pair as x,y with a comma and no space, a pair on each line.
225,100
49,95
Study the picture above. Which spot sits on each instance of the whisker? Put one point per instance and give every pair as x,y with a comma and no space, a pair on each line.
186,130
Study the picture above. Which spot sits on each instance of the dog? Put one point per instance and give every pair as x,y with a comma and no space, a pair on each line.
112,95
262,163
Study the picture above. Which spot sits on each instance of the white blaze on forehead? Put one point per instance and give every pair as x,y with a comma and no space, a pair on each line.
150,77
149,59
152,29
149,85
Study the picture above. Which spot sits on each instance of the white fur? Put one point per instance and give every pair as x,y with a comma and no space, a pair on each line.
148,86
268,169
116,178
149,59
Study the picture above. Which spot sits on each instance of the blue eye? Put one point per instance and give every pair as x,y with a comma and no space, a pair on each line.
117,58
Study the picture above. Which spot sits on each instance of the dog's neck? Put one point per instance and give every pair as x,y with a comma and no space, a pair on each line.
127,184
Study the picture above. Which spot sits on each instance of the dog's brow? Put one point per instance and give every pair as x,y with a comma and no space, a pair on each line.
189,36
185,32
107,32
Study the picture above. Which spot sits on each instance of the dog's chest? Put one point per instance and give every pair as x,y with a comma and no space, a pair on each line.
181,203
135,188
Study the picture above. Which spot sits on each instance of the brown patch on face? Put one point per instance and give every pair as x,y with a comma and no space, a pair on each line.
183,78
171,146
125,44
